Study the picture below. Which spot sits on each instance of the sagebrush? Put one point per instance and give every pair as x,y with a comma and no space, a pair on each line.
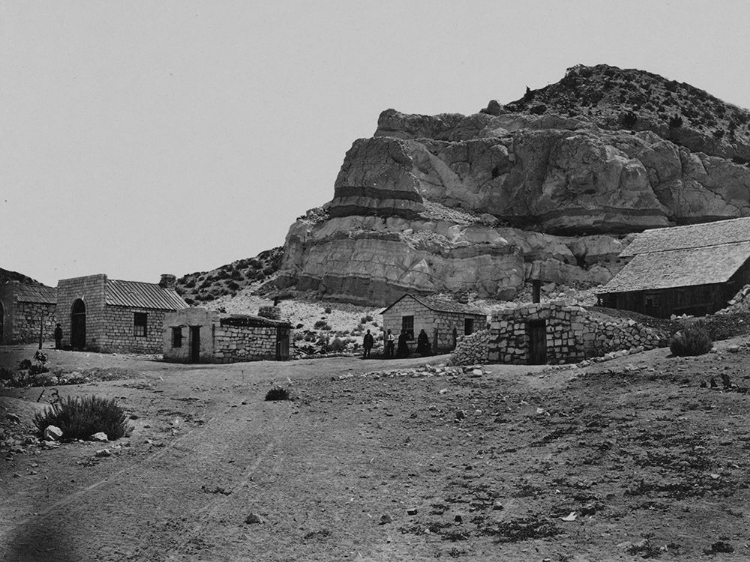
80,418
693,340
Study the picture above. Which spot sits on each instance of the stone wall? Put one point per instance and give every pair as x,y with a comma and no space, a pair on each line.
92,291
26,318
429,320
244,343
119,335
472,349
572,334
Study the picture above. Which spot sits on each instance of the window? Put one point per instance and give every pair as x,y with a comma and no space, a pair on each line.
407,326
468,326
140,319
177,337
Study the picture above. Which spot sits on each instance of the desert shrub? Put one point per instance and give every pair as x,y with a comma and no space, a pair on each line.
322,325
268,271
300,325
337,345
80,418
232,286
277,393
5,374
366,319
628,119
328,310
38,369
675,122
693,340
190,284
24,364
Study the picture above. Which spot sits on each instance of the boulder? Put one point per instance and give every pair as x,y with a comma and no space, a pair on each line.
52,433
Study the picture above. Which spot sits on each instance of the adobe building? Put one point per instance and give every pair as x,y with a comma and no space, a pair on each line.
694,270
109,315
25,312
197,335
443,320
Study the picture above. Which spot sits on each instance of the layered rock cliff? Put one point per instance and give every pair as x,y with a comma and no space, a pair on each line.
538,189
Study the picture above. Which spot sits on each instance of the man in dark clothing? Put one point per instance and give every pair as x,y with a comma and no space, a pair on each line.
368,343
403,348
58,336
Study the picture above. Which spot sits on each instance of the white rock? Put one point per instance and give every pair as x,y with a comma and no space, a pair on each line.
100,436
52,433
103,453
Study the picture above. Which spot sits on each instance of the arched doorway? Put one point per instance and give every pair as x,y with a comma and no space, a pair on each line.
78,325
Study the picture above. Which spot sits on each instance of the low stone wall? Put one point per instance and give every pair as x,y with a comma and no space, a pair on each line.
472,349
572,334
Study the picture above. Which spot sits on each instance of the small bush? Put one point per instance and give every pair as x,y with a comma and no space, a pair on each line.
25,364
337,345
693,340
366,319
322,325
80,418
277,393
328,310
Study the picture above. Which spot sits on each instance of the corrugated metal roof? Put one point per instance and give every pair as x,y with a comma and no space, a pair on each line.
679,268
439,304
136,294
35,293
691,236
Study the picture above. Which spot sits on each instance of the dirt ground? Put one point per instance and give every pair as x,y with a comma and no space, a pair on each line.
622,460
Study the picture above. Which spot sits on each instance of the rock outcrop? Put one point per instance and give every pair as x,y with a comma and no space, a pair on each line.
485,202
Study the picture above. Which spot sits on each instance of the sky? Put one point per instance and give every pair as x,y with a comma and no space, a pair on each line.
139,138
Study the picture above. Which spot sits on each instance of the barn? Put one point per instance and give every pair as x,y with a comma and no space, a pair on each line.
693,269
441,319
109,315
26,312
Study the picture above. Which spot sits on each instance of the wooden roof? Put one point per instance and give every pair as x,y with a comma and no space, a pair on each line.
136,294
439,304
35,293
691,236
680,268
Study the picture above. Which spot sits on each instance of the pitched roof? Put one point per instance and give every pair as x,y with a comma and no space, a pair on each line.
136,294
35,293
690,236
680,268
439,304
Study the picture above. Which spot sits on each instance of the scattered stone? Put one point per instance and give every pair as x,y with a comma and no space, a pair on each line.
254,518
458,519
103,453
100,436
411,511
385,519
497,506
52,433
49,444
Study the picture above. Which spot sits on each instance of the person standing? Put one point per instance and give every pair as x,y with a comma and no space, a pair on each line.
389,346
368,342
423,344
58,336
403,347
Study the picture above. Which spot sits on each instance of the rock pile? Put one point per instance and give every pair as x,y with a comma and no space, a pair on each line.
471,349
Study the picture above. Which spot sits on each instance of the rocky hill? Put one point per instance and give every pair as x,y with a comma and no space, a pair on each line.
7,276
228,280
548,187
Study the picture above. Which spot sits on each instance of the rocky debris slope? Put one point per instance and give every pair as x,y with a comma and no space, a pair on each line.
549,187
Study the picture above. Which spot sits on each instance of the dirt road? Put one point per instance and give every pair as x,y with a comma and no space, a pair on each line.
625,459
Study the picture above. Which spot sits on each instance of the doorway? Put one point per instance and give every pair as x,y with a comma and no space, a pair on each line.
537,331
78,325
195,344
282,343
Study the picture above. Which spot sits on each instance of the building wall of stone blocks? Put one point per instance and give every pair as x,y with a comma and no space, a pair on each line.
21,319
572,334
119,334
429,320
233,344
200,318
92,291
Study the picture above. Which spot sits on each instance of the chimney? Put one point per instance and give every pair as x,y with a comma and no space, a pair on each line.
168,281
536,290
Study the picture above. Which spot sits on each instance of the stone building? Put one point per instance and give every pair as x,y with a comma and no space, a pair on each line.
560,332
443,320
197,335
694,269
25,311
108,315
